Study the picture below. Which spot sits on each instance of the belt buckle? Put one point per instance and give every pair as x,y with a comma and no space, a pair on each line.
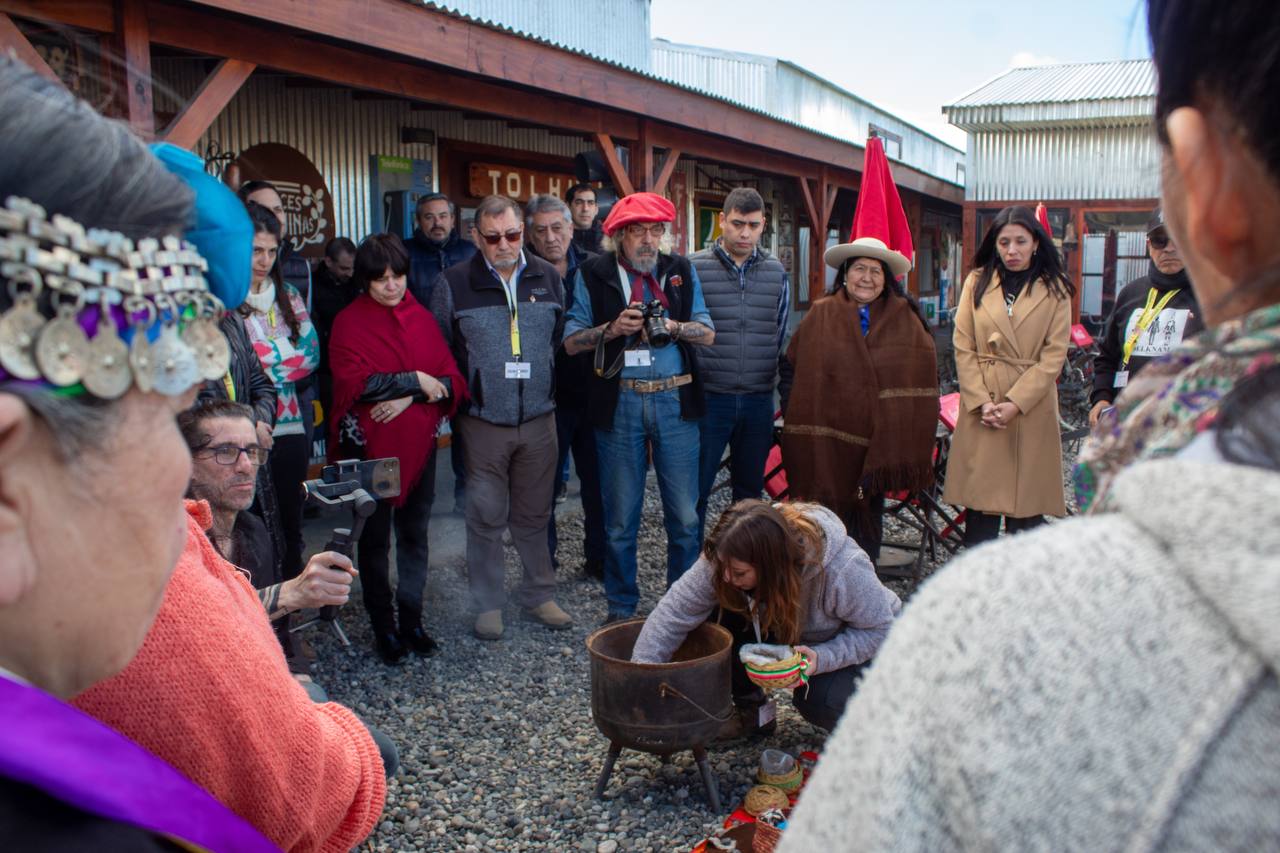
645,386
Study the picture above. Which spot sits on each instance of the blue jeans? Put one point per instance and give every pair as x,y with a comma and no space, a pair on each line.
640,420
574,433
744,422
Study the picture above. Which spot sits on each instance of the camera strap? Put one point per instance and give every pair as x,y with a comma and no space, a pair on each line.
613,369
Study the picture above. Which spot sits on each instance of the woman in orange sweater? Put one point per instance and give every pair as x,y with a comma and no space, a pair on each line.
211,693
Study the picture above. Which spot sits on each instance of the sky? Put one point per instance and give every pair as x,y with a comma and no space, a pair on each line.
911,56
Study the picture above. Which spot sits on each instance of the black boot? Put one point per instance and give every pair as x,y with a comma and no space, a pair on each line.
412,635
593,570
385,639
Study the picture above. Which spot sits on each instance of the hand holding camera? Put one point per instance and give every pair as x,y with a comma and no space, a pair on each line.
649,319
630,321
325,582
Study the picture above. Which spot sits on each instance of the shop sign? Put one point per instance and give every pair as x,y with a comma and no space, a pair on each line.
308,208
516,183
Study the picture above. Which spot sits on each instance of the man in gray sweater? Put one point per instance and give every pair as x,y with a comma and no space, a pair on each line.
748,295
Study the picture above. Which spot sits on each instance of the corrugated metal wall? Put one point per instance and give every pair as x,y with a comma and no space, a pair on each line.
337,133
614,30
1064,163
790,93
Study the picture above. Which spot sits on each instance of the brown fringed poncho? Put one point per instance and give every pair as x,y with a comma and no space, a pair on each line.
863,411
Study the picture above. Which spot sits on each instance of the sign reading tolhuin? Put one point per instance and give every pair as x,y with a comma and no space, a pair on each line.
518,184
308,207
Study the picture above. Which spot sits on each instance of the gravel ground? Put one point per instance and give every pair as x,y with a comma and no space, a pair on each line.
497,747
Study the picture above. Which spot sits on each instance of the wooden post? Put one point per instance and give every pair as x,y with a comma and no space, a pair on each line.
617,174
208,102
134,39
12,39
664,174
642,159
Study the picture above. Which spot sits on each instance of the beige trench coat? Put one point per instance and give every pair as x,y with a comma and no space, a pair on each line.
1015,471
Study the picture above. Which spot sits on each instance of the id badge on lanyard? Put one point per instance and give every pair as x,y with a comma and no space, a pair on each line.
517,369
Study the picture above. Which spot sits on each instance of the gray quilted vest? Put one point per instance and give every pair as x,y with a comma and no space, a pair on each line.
744,357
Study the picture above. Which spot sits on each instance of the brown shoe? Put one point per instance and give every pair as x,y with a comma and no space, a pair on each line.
550,614
489,625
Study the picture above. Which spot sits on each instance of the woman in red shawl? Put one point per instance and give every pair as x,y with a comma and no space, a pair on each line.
394,381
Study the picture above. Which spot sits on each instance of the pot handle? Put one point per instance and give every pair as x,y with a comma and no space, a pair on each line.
665,690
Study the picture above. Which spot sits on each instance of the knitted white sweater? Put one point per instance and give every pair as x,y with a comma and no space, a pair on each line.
1105,683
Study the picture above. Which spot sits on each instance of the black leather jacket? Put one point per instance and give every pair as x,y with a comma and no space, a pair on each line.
393,386
252,385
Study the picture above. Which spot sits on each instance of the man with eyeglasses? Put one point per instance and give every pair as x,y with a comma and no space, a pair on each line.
502,314
642,393
549,224
1152,316
225,458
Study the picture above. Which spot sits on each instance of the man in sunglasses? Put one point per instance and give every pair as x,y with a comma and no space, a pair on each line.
502,314
642,393
1152,316
225,458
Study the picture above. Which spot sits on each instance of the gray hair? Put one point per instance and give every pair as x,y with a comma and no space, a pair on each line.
58,152
545,203
493,206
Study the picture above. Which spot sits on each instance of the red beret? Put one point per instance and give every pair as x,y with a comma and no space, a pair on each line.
638,207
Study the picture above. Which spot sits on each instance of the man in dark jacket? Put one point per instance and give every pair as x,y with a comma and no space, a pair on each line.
1152,316
583,208
642,393
748,295
502,314
332,291
549,226
435,245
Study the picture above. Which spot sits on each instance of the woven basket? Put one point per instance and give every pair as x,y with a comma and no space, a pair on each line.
761,798
772,668
788,783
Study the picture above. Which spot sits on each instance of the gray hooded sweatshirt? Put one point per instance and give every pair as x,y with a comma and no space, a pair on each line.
1104,683
845,617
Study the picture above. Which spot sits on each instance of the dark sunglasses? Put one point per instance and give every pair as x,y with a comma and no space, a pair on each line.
229,454
1158,239
495,239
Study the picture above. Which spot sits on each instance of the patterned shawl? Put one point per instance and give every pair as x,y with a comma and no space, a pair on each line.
1174,399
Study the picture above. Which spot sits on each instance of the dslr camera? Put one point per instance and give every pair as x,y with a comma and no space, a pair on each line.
655,324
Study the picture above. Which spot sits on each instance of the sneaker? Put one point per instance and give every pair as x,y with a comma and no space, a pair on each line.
562,492
616,616
593,570
743,724
550,614
489,625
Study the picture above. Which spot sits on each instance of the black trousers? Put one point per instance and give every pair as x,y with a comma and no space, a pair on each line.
982,527
866,526
820,703
289,457
373,558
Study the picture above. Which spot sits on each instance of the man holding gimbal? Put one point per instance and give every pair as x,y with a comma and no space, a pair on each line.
641,311
225,457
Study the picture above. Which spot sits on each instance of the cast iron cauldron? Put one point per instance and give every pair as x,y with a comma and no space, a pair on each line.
664,707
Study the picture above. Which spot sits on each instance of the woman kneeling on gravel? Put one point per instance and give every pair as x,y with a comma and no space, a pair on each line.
784,573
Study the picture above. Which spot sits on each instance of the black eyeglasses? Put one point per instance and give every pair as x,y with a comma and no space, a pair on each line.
229,454
494,239
1158,239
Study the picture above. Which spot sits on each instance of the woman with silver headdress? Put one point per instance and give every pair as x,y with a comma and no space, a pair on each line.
101,342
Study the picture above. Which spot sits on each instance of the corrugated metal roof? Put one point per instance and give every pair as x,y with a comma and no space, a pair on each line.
1092,81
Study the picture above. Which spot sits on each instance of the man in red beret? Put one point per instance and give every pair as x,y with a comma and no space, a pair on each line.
641,311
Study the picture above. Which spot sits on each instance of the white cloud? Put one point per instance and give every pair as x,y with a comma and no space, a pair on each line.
1026,58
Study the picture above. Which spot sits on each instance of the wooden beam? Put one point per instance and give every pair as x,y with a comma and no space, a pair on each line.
133,33
829,203
188,28
96,15
809,207
616,173
668,167
208,102
642,159
13,41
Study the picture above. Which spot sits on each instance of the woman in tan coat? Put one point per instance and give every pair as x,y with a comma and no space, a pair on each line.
1012,325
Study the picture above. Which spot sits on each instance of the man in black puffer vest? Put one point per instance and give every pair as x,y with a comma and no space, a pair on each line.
642,392
748,295
1152,316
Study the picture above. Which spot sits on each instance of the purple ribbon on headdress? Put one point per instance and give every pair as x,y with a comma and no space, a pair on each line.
55,748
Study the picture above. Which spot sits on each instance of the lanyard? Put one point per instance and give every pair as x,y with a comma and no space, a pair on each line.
230,386
513,307
1145,319
755,616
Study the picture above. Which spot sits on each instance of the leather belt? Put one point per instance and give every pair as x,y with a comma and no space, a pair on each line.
650,386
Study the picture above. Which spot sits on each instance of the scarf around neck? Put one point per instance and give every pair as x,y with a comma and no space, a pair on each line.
368,339
1174,399
263,300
